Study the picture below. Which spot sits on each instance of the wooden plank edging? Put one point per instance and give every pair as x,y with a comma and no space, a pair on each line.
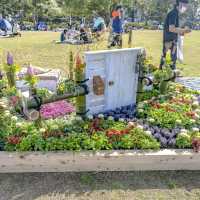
85,161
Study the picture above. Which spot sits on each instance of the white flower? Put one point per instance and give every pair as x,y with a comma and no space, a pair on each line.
14,118
140,110
197,116
178,121
101,116
122,120
151,120
184,135
197,111
140,127
90,117
110,118
195,129
148,133
184,131
192,121
3,105
42,130
195,104
140,105
19,124
131,124
78,118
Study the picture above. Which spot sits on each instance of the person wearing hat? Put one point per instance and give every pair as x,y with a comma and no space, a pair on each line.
171,32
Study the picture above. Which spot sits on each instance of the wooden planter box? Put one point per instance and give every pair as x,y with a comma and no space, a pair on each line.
99,161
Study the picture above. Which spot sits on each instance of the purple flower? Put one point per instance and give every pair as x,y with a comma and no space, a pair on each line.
10,60
30,71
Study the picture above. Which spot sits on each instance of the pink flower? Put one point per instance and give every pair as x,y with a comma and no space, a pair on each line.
56,109
30,71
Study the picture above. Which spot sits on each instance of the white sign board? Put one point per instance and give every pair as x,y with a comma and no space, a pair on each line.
119,71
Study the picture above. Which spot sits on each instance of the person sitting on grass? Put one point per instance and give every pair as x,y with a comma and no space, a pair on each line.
172,30
83,34
99,26
63,36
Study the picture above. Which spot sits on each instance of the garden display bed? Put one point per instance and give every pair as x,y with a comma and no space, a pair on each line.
46,132
87,161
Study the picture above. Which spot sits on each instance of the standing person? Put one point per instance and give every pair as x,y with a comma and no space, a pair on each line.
117,26
171,32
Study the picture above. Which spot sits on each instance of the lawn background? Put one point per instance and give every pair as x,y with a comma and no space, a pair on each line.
39,49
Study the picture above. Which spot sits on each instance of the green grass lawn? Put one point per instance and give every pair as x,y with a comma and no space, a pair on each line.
39,49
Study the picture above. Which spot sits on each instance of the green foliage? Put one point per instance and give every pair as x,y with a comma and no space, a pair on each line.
149,94
136,139
66,86
33,142
43,92
183,141
168,119
31,80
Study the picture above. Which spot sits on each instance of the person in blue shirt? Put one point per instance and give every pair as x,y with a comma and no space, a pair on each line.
117,27
117,24
98,24
171,31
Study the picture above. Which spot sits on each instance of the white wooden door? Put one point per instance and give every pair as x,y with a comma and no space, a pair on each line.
118,70
121,71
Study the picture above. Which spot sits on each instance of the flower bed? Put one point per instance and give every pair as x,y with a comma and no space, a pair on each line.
174,119
170,121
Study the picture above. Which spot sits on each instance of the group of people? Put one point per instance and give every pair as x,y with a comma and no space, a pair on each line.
8,27
85,34
172,37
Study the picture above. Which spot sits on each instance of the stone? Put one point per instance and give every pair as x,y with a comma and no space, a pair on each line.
48,79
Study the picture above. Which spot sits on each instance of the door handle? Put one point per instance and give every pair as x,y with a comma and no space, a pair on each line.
111,83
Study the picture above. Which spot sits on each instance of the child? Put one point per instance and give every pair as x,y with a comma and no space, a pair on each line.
117,27
63,36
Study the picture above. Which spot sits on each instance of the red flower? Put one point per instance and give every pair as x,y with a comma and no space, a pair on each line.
196,144
112,132
191,114
14,100
14,140
95,126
